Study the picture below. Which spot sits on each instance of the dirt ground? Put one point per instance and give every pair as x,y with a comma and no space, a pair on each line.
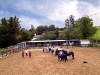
47,64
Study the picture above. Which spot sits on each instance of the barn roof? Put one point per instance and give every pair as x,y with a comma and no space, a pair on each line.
51,41
47,41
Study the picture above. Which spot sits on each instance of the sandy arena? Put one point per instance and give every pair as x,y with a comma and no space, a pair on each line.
47,64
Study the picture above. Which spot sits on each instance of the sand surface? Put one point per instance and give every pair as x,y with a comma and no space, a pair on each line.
47,64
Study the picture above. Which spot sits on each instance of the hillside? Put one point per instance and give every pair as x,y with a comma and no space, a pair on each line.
97,35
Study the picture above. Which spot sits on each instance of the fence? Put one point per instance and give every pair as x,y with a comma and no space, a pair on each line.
10,50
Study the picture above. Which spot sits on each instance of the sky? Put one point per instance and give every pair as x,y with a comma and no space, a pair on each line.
47,12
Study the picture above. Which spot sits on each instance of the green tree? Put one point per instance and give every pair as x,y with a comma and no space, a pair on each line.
62,35
81,29
86,27
71,20
69,23
56,32
32,31
9,29
52,27
41,29
49,36
25,35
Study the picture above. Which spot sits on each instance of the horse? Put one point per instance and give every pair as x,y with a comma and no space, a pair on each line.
62,54
49,49
70,53
56,52
52,50
46,49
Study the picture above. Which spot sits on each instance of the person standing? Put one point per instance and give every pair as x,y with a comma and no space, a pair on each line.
30,53
22,54
26,51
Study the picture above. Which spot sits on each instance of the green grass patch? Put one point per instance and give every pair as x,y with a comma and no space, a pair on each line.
97,35
2,51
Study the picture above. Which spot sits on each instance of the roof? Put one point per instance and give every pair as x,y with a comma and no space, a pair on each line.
47,41
52,41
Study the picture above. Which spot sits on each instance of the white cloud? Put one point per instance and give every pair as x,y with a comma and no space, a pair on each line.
31,7
24,5
65,9
26,22
48,12
95,15
92,11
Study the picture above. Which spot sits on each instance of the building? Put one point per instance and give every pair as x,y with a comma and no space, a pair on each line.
53,42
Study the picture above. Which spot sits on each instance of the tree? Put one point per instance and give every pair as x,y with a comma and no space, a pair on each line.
51,35
25,35
52,28
69,23
9,29
14,25
80,29
86,27
32,31
56,32
41,29
71,20
62,35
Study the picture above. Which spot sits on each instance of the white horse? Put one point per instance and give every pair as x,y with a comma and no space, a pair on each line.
45,49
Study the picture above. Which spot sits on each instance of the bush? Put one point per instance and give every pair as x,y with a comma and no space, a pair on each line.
2,51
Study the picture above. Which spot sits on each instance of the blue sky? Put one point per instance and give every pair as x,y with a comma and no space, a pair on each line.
47,12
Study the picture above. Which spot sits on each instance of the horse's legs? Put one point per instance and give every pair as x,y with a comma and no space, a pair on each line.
52,53
43,50
49,49
66,57
58,58
72,55
56,53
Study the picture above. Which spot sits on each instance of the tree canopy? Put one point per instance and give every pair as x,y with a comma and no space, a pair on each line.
12,33
9,29
81,29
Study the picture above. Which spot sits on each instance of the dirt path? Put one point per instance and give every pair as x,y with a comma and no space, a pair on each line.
47,64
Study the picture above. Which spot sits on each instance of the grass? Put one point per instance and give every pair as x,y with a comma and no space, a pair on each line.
2,51
97,35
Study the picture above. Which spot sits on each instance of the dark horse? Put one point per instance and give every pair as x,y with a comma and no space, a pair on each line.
62,54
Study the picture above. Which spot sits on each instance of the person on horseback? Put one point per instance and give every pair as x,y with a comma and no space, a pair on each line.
61,52
68,50
62,55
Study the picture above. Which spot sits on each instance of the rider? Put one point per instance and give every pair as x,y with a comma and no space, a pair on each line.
68,50
61,51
